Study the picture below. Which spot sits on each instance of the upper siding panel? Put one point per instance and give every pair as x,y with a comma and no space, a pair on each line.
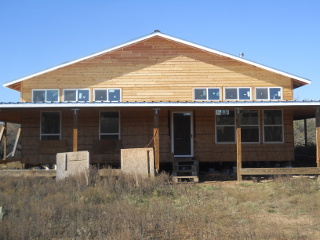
157,69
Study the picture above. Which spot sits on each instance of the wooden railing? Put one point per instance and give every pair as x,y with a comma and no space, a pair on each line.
51,173
280,171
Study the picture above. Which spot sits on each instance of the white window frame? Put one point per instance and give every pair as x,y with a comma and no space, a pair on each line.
268,92
107,92
238,89
45,94
207,94
110,134
41,134
216,125
258,124
79,89
275,125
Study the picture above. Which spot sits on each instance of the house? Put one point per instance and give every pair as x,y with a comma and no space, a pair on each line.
193,101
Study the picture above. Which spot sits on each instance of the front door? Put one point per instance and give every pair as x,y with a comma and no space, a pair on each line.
182,143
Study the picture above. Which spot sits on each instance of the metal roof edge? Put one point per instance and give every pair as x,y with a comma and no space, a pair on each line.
158,33
160,104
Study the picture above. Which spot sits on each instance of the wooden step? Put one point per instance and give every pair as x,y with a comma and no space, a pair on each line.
185,179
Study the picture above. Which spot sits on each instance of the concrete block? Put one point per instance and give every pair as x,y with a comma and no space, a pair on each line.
71,163
138,161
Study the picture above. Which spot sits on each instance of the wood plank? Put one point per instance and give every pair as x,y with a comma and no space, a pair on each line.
27,173
1,132
280,171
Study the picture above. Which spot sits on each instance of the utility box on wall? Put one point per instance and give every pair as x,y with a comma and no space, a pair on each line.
71,163
138,161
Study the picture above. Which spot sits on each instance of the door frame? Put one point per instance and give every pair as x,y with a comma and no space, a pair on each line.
191,130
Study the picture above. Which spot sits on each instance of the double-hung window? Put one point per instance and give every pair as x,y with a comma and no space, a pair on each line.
207,94
225,126
250,126
271,93
239,93
50,126
109,125
45,95
107,95
272,126
76,95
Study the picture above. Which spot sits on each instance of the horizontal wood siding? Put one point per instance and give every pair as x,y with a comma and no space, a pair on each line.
137,131
157,69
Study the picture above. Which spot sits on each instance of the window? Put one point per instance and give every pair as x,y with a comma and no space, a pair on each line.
50,126
46,95
225,126
76,95
237,94
268,93
107,95
207,94
109,125
250,126
272,126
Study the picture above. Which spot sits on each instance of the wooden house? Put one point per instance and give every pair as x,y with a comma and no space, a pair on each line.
192,101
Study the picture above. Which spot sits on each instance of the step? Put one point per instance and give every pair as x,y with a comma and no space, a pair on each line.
186,168
184,173
180,179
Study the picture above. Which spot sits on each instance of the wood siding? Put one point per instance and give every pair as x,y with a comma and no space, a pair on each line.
157,69
136,132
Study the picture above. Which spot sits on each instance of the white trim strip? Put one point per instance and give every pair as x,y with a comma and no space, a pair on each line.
160,104
307,81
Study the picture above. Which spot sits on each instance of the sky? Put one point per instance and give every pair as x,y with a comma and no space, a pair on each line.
39,34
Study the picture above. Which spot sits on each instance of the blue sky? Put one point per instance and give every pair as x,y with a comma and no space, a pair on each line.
38,34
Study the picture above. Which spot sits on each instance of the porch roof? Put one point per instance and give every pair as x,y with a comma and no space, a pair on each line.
301,109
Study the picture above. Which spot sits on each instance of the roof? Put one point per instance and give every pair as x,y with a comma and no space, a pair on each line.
301,81
233,104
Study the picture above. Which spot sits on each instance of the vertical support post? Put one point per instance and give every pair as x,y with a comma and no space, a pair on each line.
5,141
239,145
75,129
318,135
156,135
305,138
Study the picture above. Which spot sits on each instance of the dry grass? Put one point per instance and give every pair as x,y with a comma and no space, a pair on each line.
134,208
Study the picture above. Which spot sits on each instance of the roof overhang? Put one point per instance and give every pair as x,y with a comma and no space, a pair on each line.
160,104
297,81
301,109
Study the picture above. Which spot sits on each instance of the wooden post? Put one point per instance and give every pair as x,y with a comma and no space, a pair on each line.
75,130
156,138
239,146
318,136
16,143
305,139
5,141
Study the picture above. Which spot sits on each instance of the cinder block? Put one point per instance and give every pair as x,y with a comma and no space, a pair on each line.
138,161
71,163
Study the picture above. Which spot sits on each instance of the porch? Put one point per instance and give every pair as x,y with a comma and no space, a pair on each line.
175,130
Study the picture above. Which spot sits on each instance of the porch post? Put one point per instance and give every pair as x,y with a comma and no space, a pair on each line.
305,138
318,135
5,141
156,138
239,146
75,129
